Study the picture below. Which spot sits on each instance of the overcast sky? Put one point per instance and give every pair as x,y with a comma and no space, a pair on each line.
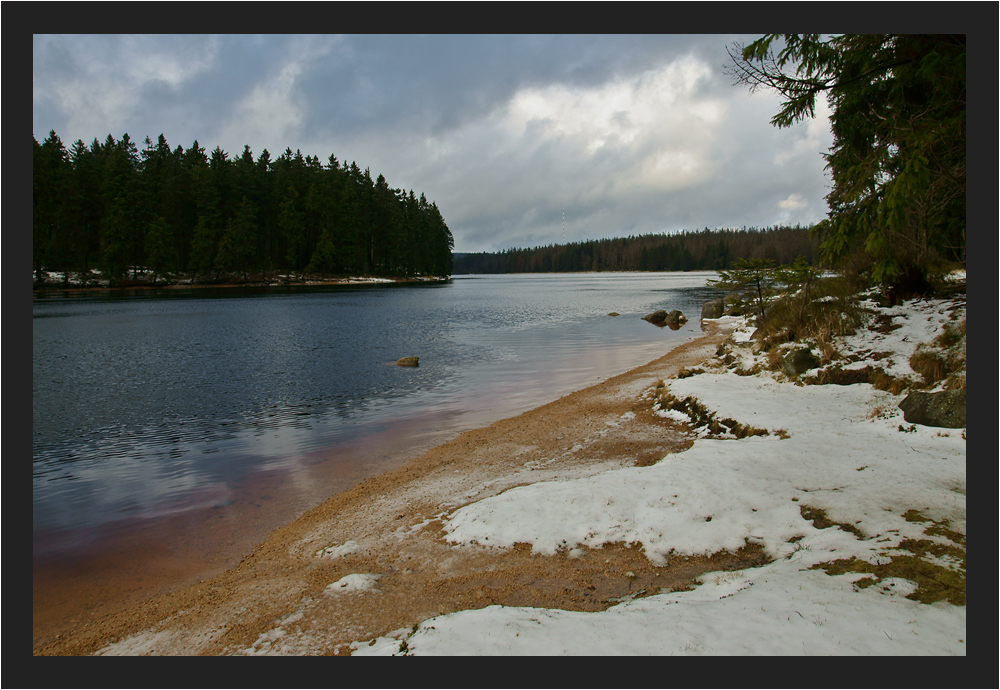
631,134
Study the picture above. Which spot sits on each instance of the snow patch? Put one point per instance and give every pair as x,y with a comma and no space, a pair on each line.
355,582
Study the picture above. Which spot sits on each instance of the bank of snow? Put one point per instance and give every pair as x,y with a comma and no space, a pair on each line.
844,452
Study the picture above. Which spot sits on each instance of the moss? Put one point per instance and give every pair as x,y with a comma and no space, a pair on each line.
920,562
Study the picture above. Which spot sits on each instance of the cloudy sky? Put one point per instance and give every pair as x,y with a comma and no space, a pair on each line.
631,134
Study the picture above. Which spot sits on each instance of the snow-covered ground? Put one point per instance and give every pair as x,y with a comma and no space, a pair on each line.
842,476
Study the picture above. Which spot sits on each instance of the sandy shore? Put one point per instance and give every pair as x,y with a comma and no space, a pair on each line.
390,526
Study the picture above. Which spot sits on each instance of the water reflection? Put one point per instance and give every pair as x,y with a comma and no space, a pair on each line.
158,403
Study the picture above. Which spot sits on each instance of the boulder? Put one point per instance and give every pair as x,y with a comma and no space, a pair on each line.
657,318
662,318
713,309
945,409
799,360
409,362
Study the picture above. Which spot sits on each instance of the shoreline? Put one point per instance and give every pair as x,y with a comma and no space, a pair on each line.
704,503
522,430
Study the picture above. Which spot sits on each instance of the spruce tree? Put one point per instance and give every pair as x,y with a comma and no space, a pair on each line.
898,155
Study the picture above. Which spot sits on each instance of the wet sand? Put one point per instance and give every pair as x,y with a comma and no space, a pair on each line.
274,599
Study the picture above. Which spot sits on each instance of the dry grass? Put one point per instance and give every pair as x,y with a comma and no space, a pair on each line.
884,410
774,357
843,377
928,365
943,359
955,383
702,417
951,335
883,324
884,382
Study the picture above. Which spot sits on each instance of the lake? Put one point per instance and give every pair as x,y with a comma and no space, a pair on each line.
199,420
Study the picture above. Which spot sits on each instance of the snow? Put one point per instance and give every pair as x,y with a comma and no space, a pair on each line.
845,450
335,551
355,582
775,610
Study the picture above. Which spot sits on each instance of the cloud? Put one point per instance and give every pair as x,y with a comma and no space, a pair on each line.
273,110
633,134
98,84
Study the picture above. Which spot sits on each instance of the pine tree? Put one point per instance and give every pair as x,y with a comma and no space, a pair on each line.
237,241
898,120
160,253
751,280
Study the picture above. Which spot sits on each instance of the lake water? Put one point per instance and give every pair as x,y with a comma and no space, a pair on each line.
250,406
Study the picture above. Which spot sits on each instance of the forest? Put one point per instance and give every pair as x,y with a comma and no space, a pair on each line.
706,249
111,207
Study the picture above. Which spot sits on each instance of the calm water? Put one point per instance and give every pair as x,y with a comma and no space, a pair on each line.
151,405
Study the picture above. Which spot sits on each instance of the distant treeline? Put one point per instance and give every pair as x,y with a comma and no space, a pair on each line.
683,251
112,207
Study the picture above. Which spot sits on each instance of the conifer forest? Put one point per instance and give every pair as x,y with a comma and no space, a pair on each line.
120,210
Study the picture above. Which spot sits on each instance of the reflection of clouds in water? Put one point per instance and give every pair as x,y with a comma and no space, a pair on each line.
127,488
305,371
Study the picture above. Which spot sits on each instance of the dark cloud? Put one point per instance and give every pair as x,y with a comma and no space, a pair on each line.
633,134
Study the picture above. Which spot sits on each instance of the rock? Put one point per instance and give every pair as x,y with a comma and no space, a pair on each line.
799,360
944,409
657,318
713,309
409,362
662,318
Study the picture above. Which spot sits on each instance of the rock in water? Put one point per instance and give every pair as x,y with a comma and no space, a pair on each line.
662,318
657,318
945,409
409,362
